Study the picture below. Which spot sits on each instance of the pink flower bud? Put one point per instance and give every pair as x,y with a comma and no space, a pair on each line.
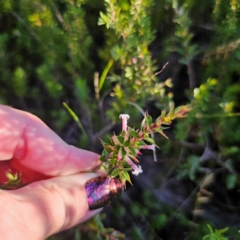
150,147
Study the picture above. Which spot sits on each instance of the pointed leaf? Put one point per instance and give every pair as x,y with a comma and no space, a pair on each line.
103,159
149,120
132,151
127,169
132,132
120,139
121,152
163,114
115,140
161,132
150,140
127,143
115,172
223,230
104,153
142,143
143,122
124,176
113,161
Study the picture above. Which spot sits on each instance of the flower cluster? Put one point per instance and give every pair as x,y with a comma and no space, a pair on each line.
120,154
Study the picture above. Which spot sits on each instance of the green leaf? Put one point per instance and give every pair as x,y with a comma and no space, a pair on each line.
109,171
115,140
142,143
120,139
104,74
105,167
116,148
215,235
161,132
115,172
75,117
127,143
124,151
149,120
104,153
108,147
113,161
124,176
231,181
103,19
163,114
143,123
103,159
132,151
150,140
127,169
132,132
125,165
222,230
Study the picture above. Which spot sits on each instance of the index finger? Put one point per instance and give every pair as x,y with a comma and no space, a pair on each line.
28,143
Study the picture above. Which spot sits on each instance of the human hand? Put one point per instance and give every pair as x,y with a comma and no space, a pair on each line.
56,198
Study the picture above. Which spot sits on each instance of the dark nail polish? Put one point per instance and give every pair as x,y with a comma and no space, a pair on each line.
101,190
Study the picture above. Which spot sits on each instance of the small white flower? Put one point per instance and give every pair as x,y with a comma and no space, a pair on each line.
124,118
137,170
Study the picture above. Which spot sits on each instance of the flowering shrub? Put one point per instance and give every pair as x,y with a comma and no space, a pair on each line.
118,154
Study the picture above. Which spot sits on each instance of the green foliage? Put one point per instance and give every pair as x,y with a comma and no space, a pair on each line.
183,37
189,169
55,51
19,81
92,229
215,235
96,230
159,221
43,47
131,25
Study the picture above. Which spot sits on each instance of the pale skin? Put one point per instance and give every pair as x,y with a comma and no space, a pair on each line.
55,198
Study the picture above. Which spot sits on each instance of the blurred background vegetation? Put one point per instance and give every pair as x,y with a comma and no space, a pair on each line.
106,57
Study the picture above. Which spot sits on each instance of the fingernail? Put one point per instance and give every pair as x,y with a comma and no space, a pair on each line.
101,190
